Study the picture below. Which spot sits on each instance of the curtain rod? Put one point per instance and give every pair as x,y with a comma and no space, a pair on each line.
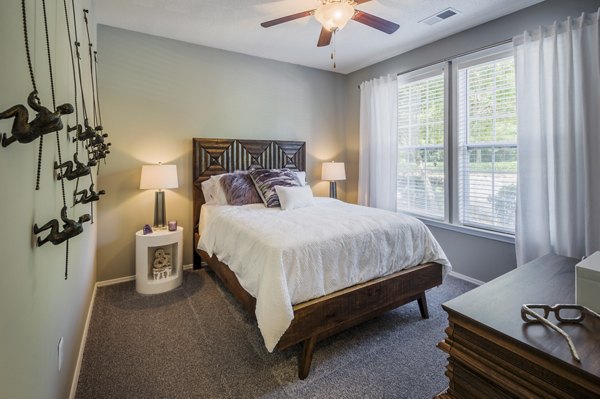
446,59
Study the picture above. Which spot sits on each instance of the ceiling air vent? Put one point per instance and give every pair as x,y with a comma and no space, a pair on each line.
440,16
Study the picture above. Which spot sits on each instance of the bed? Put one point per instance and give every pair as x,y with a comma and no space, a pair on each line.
311,319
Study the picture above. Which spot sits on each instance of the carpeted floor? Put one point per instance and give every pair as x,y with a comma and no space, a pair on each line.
197,342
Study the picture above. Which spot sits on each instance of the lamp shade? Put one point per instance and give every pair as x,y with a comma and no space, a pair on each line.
159,176
334,15
333,171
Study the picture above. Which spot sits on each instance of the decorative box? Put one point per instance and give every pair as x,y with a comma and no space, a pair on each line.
587,282
162,273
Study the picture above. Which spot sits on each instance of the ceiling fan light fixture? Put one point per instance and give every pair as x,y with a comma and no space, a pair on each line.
334,15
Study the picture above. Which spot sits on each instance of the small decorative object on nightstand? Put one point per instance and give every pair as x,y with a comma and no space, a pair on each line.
162,264
158,261
332,172
147,229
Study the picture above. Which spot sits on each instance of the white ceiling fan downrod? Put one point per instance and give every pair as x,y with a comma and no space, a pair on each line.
333,31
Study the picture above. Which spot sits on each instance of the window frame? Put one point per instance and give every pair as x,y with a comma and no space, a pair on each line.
450,70
421,74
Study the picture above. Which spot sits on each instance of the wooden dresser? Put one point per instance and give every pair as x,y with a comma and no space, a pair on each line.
494,354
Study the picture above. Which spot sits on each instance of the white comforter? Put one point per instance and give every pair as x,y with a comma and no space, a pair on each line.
287,257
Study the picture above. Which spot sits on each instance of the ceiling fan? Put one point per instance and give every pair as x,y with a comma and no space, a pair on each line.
334,15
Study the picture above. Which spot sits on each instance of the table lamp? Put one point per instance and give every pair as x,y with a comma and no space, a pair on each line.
159,177
332,172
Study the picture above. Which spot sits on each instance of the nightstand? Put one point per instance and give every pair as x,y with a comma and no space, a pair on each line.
158,261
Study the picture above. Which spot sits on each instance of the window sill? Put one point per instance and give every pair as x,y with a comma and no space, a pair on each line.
492,235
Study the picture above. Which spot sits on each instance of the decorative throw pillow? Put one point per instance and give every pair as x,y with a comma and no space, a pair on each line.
266,180
295,197
239,189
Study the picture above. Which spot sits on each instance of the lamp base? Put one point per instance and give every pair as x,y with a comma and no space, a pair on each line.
332,189
160,212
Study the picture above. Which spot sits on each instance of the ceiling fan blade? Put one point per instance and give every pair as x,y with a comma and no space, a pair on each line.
361,1
375,22
324,38
287,18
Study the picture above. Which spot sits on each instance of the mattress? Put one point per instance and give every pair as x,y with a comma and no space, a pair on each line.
287,257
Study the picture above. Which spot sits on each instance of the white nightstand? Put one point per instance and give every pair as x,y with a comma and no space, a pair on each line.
148,280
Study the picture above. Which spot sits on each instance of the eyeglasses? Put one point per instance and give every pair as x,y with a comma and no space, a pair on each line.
564,313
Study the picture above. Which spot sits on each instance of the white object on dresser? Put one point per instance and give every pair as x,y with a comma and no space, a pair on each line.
587,282
168,272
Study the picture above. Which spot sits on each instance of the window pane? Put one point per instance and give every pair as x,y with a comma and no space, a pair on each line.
488,145
490,182
421,147
421,181
506,129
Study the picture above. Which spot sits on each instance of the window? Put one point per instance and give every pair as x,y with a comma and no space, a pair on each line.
478,188
421,174
487,145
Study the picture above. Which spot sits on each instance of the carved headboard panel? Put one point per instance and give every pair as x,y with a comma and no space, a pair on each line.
216,156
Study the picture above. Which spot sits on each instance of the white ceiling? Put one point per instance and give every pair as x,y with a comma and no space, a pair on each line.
234,25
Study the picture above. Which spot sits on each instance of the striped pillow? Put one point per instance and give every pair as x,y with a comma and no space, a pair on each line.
266,180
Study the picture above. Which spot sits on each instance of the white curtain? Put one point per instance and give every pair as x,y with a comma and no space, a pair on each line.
558,96
378,143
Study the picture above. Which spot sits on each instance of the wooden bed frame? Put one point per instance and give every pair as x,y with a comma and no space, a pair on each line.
321,317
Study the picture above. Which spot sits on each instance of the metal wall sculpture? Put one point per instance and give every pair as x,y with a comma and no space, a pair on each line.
72,170
49,119
71,228
44,122
87,196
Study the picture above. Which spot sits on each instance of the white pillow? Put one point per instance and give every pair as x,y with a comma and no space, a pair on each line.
295,197
213,192
208,189
301,177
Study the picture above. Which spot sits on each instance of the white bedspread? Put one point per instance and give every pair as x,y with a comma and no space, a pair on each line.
287,257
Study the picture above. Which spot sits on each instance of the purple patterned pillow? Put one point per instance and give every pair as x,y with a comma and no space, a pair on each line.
239,189
267,179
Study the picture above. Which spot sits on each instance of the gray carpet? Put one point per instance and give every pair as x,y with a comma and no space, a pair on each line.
197,342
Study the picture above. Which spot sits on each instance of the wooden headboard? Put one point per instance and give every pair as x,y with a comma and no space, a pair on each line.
216,156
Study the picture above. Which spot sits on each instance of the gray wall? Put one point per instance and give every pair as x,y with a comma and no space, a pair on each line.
37,305
158,93
479,258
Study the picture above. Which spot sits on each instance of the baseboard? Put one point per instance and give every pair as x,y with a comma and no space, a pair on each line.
115,281
131,278
82,345
466,278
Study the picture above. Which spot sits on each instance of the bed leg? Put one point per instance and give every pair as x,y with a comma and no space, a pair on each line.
306,357
422,300
197,260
